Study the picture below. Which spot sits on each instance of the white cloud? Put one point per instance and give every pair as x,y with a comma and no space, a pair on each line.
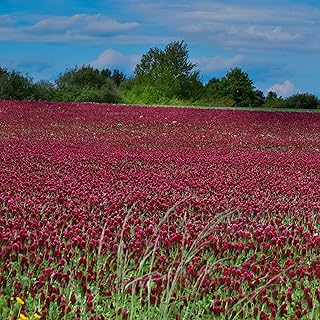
283,89
272,34
235,27
78,27
262,13
210,64
238,27
111,58
89,24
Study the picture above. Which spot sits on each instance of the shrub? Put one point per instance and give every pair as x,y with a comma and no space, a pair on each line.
14,86
216,102
44,91
87,84
104,94
136,92
302,101
275,103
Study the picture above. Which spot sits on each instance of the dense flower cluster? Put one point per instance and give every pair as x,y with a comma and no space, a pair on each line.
110,210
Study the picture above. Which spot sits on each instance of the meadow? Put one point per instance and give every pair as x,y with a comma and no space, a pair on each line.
131,212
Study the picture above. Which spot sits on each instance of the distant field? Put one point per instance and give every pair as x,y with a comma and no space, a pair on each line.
126,212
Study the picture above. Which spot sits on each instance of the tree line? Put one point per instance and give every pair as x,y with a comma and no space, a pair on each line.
163,76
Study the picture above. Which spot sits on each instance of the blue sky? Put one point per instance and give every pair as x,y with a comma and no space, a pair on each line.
276,42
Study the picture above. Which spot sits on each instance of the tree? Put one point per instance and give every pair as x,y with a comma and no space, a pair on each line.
274,101
212,95
87,84
43,90
302,101
106,73
212,89
15,86
4,73
237,86
260,98
80,77
167,74
271,95
107,93
118,77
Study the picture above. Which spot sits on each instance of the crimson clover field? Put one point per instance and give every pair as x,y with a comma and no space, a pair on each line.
130,212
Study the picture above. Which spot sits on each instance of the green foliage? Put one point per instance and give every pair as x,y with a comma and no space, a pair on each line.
14,86
259,98
135,92
271,96
235,89
80,77
163,77
212,89
272,100
118,77
296,101
44,91
106,73
4,73
216,102
166,74
108,93
275,103
145,94
302,101
87,84
237,86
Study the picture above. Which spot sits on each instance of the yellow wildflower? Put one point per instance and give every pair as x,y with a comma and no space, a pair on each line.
19,300
37,316
23,317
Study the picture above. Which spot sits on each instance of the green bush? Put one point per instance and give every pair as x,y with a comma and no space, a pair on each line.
275,103
216,102
145,94
104,94
86,84
44,91
297,101
14,86
302,101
